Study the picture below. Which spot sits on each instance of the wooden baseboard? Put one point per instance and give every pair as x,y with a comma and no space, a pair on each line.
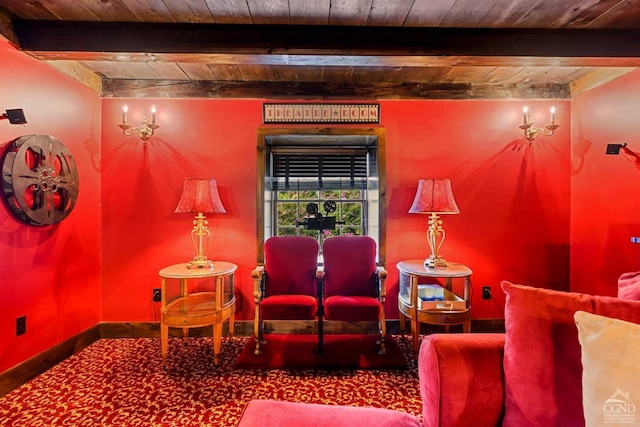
245,328
31,368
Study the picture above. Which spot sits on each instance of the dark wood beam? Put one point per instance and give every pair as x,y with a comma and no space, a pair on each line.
144,41
338,60
6,28
116,88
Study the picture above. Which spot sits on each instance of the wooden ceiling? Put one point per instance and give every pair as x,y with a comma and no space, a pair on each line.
330,49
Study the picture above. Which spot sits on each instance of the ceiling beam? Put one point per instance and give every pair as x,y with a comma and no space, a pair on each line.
346,45
596,79
6,28
78,72
338,60
115,88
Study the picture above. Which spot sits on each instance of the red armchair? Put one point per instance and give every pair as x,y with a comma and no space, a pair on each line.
353,284
286,286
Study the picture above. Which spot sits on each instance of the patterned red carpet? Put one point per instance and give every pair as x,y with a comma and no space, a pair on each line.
293,351
119,382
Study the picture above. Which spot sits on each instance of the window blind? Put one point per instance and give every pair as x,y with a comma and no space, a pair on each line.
319,168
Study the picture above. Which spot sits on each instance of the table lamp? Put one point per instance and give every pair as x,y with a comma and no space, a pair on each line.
200,196
434,196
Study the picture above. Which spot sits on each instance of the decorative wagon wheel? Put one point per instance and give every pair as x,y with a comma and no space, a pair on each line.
39,179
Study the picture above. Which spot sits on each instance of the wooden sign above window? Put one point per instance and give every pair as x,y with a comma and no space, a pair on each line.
321,113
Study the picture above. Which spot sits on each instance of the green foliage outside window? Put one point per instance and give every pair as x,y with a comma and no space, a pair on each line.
291,206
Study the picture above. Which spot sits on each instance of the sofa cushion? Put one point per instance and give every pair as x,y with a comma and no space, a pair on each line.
629,286
542,369
610,384
273,413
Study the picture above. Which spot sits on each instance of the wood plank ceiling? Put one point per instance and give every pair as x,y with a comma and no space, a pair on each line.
330,49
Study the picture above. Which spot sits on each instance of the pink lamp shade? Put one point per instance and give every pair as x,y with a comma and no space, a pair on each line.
434,196
200,196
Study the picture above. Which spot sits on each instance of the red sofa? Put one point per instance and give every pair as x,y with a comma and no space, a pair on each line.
529,376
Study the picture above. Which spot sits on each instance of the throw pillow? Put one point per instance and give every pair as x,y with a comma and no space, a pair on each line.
610,370
542,369
629,286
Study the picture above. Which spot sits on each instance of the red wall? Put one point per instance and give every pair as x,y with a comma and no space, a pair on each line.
604,202
513,197
514,216
50,274
142,185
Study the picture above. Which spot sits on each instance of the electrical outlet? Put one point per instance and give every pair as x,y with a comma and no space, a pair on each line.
21,325
157,296
486,292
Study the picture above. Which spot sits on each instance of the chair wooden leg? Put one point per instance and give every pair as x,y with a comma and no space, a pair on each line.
320,335
258,333
383,334
257,329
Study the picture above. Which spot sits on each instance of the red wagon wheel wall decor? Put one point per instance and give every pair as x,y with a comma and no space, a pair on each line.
39,179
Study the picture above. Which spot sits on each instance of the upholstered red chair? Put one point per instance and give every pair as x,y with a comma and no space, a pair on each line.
353,283
286,286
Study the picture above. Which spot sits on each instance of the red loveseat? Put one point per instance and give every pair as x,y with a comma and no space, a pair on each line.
529,376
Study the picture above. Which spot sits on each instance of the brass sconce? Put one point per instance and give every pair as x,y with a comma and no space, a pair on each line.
145,130
531,132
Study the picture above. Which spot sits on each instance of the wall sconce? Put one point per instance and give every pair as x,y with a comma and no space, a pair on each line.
531,132
15,116
144,131
433,197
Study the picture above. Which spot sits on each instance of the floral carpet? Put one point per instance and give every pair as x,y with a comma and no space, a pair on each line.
300,351
120,382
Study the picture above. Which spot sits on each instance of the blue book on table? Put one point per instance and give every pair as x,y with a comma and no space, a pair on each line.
431,292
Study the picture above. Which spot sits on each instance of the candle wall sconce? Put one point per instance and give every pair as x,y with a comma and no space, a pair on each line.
531,132
145,130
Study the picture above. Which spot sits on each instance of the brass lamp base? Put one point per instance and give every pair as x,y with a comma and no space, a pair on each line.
200,237
435,237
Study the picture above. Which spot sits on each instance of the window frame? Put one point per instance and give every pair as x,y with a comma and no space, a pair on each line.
303,135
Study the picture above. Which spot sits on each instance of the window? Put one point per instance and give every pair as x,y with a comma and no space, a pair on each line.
320,185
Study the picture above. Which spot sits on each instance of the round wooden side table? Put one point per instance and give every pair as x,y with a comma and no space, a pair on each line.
205,297
429,303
